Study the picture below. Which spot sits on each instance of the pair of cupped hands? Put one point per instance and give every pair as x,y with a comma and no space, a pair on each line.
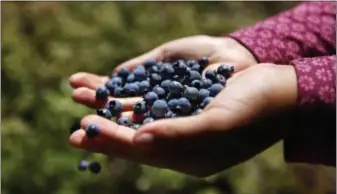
250,114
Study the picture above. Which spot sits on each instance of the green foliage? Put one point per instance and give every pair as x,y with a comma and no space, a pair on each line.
45,42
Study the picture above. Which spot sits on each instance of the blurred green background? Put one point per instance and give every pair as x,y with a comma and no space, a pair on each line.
43,43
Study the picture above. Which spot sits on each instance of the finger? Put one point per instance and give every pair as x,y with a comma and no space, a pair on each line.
89,80
88,97
155,54
115,139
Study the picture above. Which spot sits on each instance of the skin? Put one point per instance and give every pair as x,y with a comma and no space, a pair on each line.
234,127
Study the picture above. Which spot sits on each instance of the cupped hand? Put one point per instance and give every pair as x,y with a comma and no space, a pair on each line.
245,118
219,50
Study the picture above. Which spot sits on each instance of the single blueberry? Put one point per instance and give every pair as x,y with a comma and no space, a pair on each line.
140,74
118,92
144,86
102,93
196,67
95,167
165,84
166,71
149,63
190,63
104,112
184,106
124,121
221,79
92,130
140,107
225,70
211,74
131,89
197,84
191,93
175,87
180,67
194,75
206,83
203,61
159,91
130,78
150,98
215,89
155,79
206,101
202,94
83,165
123,72
172,104
115,107
159,108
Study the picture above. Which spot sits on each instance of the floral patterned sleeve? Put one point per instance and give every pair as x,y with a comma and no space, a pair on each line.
304,37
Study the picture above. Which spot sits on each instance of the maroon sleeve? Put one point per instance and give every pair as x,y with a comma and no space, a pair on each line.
308,30
313,139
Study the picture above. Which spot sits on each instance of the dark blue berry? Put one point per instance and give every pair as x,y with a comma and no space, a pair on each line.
166,71
165,84
155,79
102,93
215,89
196,67
92,130
172,104
197,84
113,74
225,70
175,87
180,67
104,112
211,74
123,72
159,108
184,106
154,69
131,89
118,92
95,167
110,85
206,101
191,93
150,98
206,83
202,94
148,120
124,121
140,107
149,63
190,63
221,79
144,87
194,75
140,74
203,61
130,78
115,107
83,165
159,91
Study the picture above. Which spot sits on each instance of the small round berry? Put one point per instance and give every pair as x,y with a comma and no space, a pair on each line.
194,75
124,121
150,98
124,72
159,91
83,165
115,107
207,83
102,93
131,89
215,89
211,74
206,101
92,130
197,84
130,78
221,79
225,70
95,167
149,63
140,74
155,79
118,92
144,86
191,93
175,87
165,84
172,104
140,107
159,108
202,94
184,106
104,112
203,61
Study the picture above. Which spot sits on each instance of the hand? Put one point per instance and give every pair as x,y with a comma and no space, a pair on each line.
219,50
243,120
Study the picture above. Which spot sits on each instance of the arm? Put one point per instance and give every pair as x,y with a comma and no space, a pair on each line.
313,139
308,30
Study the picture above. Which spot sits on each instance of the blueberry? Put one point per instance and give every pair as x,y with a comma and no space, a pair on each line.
135,126
144,86
172,104
148,120
175,87
206,101
211,74
166,71
215,89
150,98
115,107
117,80
202,94
123,72
102,93
196,112
221,79
124,121
140,74
110,85
190,63
203,61
159,91
92,130
197,84
104,112
225,70
149,63
131,89
159,108
118,92
83,165
165,84
140,107
130,78
206,83
196,67
95,167
194,75
180,67
155,79
154,69
191,93
113,74
184,106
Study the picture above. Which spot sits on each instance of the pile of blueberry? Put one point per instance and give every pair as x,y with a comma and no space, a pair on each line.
169,90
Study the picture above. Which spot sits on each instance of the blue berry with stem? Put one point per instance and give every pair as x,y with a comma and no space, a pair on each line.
221,79
102,93
115,107
104,112
159,108
92,131
225,70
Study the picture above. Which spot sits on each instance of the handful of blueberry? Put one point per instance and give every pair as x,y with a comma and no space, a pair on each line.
169,90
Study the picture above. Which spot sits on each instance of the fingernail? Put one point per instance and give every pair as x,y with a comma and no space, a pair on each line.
145,138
